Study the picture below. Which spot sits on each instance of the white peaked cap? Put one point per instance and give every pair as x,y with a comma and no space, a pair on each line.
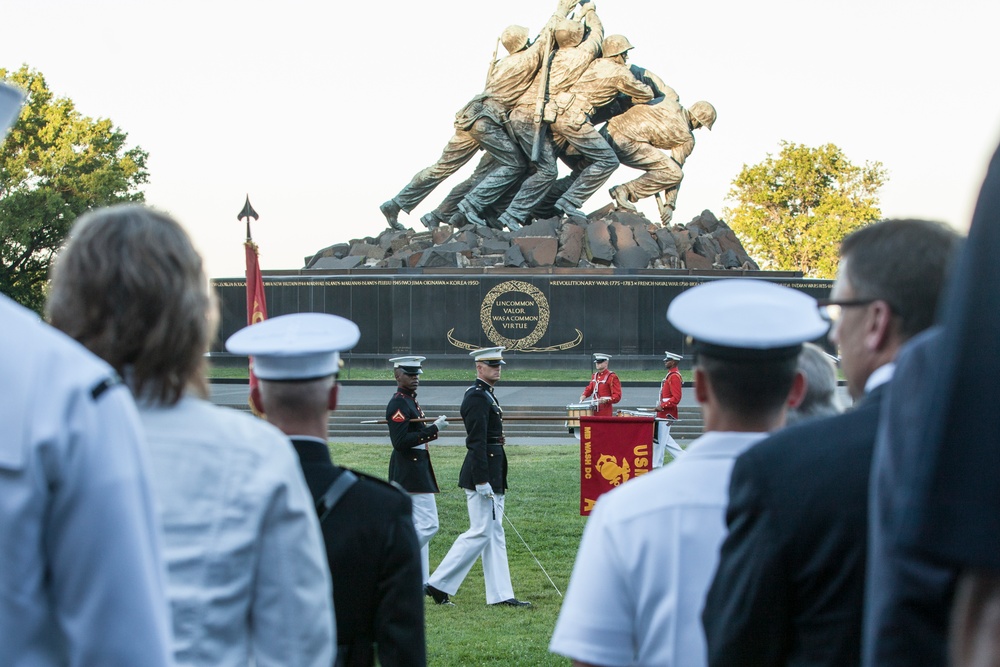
410,365
302,346
492,356
745,318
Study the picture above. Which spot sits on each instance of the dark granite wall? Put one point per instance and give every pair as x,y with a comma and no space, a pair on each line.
546,320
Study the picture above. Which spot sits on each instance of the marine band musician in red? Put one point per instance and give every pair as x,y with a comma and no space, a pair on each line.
666,410
604,387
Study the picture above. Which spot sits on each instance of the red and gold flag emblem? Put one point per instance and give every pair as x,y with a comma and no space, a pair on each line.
613,450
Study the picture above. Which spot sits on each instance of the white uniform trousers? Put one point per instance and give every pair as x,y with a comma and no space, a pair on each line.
484,537
664,442
425,521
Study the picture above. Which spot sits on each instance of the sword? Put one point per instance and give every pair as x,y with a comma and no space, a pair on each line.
515,418
503,515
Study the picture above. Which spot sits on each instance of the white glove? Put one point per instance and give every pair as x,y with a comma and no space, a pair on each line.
485,490
441,423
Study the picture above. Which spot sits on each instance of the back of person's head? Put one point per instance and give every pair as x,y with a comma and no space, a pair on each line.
130,286
752,386
904,263
297,400
820,399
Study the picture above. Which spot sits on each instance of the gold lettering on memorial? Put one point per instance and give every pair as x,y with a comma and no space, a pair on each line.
515,314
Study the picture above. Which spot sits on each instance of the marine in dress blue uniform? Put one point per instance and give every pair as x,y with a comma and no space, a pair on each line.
484,478
410,462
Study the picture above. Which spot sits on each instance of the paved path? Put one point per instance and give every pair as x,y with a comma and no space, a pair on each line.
511,395
557,397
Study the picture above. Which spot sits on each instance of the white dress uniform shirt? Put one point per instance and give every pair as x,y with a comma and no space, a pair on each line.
81,577
247,572
646,560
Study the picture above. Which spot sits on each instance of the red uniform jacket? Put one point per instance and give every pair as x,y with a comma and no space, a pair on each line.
605,384
670,395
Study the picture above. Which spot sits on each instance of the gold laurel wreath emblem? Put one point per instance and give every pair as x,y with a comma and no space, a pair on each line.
527,343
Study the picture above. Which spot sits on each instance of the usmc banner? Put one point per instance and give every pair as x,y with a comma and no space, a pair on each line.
613,450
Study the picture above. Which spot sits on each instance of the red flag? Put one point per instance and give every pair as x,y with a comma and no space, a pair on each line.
256,307
613,450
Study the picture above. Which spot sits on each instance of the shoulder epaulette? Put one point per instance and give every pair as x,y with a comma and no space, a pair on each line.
378,480
104,385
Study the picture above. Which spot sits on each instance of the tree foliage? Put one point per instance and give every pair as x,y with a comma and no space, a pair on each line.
792,211
55,165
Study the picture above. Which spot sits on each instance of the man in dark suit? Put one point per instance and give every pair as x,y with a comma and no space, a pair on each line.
484,478
790,583
410,464
371,545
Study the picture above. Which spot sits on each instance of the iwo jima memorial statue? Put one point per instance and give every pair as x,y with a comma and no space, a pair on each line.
508,256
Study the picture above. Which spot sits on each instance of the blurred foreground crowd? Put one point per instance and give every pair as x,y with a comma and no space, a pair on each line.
141,525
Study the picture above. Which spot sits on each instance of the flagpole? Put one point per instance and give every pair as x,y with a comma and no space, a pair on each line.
256,303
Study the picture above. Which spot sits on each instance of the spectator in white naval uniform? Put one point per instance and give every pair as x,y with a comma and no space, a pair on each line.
650,546
246,567
81,577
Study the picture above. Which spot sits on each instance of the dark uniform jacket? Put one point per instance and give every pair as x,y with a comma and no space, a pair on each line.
789,589
374,559
908,595
485,460
953,508
408,467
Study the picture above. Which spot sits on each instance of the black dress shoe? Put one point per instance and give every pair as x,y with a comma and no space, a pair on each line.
439,596
512,602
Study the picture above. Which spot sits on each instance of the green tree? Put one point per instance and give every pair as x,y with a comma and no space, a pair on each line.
792,211
55,165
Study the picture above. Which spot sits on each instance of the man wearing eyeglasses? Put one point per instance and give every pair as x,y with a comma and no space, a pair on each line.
790,583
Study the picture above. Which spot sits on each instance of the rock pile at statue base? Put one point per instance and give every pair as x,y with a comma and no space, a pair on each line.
607,238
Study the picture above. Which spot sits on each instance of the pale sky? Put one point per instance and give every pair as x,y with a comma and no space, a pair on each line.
321,111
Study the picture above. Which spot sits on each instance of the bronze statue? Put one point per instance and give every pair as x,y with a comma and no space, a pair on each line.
542,102
604,79
479,124
579,43
640,135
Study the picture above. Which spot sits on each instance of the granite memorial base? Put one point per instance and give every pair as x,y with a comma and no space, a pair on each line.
546,318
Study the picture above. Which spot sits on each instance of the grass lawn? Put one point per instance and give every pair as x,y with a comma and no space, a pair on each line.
543,504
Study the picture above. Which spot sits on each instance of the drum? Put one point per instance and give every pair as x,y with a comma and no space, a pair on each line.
575,411
631,413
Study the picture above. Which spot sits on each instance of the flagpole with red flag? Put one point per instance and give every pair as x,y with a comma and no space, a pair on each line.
256,302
